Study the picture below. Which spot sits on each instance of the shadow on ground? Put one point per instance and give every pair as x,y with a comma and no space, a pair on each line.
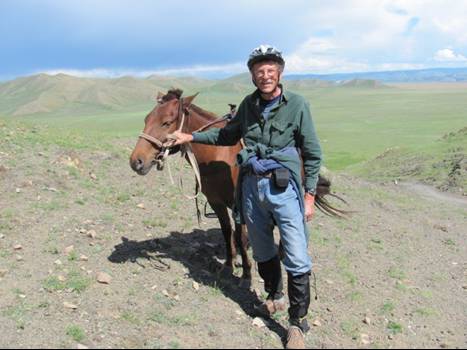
201,252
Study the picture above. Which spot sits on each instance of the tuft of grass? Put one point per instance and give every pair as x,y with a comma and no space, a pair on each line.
17,313
130,317
350,328
123,197
76,332
426,311
73,256
449,242
52,284
396,273
175,321
75,281
155,223
387,307
394,327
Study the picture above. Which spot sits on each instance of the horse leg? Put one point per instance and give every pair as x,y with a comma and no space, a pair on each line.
241,239
224,220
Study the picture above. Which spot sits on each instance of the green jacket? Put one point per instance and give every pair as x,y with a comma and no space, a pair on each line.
288,125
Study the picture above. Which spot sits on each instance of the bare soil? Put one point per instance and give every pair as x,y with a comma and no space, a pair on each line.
392,275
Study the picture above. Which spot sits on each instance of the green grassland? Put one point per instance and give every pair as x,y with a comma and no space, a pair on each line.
355,123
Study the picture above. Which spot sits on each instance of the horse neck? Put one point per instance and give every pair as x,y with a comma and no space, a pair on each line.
197,119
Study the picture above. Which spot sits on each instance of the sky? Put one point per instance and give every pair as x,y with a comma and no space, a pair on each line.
213,38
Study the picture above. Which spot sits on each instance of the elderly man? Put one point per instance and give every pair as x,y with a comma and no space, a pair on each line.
279,135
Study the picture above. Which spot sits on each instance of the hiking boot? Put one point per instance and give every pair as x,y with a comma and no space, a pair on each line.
270,307
295,338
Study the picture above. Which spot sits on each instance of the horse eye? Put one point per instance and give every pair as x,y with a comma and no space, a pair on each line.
165,124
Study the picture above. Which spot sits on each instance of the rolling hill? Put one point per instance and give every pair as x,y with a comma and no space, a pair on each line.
45,94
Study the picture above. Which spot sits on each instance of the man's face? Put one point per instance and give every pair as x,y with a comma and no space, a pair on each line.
266,75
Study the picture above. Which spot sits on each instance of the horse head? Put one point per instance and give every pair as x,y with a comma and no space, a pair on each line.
164,119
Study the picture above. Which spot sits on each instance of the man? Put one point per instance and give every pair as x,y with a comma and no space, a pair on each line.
278,133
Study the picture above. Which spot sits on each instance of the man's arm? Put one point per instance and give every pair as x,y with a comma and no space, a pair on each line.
229,135
312,157
310,148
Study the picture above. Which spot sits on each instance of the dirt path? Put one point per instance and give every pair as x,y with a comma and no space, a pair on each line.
430,192
393,275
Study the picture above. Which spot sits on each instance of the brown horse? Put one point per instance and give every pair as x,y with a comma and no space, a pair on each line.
217,165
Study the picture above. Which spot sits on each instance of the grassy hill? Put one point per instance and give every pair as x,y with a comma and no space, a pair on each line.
356,120
443,163
64,94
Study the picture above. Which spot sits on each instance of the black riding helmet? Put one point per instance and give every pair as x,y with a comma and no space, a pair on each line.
265,53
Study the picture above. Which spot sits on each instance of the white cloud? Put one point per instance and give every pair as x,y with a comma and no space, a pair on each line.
448,55
198,70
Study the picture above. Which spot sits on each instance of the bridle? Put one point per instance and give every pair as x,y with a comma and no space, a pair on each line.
164,147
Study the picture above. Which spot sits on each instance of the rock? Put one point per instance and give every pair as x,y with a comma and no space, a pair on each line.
317,323
3,272
19,258
141,206
2,236
154,287
18,247
441,227
68,250
258,322
61,278
69,305
18,190
83,258
164,292
104,278
93,176
365,339
195,285
81,346
27,183
91,234
367,320
58,262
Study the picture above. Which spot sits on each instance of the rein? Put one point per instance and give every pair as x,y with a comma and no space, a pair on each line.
185,149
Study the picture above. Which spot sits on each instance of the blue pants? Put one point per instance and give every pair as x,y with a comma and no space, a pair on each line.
263,202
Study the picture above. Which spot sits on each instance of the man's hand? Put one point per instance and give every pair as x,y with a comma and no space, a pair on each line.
180,138
309,206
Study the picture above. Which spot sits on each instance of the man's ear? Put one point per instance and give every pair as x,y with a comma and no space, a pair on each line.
188,100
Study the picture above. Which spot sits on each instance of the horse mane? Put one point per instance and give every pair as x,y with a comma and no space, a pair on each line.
172,94
203,112
175,93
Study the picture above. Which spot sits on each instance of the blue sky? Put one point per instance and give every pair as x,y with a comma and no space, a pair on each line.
213,38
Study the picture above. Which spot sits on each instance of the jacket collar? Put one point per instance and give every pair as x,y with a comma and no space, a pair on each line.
285,96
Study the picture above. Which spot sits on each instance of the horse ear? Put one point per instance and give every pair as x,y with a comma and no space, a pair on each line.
188,100
159,97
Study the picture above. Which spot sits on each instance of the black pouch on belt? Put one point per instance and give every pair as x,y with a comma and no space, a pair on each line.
281,177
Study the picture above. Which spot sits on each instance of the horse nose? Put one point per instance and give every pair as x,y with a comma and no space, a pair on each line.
137,165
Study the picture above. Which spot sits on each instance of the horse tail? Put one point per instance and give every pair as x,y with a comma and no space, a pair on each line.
323,189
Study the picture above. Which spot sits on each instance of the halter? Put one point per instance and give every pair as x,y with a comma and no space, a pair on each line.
164,147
